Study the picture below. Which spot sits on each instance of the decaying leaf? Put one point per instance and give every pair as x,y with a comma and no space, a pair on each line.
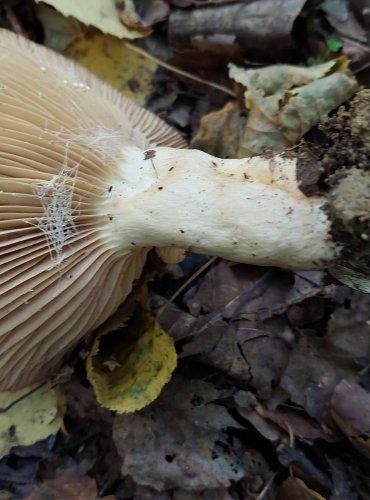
272,80
29,415
179,440
112,61
101,14
313,371
283,103
349,329
294,488
129,368
350,408
221,131
279,121
67,488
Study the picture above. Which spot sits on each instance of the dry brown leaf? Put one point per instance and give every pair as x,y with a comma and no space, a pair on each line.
313,371
350,408
66,488
295,421
220,132
179,441
294,488
349,328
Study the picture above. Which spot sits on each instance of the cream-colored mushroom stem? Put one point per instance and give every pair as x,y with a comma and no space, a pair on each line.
249,210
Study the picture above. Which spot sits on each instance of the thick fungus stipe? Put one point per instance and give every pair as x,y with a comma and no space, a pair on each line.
89,182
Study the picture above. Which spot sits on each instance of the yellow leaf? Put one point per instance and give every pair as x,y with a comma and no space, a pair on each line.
29,415
99,13
129,368
112,61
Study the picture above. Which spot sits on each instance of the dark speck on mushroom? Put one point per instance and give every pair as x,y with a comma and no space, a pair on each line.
148,155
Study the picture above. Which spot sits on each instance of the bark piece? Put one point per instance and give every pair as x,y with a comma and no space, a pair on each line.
257,27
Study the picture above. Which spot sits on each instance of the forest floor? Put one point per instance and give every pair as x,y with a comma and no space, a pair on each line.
271,395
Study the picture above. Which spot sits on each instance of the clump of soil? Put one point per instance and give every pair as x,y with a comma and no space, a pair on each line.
346,163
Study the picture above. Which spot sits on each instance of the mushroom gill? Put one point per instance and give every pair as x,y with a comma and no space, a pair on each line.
89,182
62,132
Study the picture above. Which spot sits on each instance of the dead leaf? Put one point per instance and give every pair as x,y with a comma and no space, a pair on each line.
67,488
349,328
29,415
272,80
303,466
214,494
101,14
277,121
312,373
129,368
223,288
112,61
180,441
292,420
267,429
282,103
220,132
294,488
350,409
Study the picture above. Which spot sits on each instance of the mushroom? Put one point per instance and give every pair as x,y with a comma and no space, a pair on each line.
89,182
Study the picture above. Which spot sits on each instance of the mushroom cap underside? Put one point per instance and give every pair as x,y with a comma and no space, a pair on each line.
61,133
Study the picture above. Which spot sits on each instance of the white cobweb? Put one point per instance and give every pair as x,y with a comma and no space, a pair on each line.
58,220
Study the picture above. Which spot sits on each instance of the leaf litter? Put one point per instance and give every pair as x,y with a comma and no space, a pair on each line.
270,398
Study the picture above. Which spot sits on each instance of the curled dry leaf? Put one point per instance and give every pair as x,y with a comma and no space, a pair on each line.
272,80
284,102
279,118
